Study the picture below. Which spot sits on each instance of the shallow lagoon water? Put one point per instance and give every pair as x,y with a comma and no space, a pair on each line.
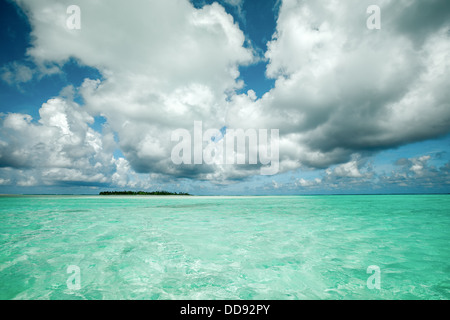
299,247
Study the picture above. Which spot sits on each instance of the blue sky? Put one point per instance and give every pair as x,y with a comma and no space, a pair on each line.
358,110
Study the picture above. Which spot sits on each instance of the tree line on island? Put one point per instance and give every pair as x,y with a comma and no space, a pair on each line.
142,193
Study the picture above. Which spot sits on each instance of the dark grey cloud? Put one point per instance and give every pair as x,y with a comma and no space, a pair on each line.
419,19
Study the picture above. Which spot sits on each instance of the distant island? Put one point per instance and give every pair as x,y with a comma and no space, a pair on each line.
142,193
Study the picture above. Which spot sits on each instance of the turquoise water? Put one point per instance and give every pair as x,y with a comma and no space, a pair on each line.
306,247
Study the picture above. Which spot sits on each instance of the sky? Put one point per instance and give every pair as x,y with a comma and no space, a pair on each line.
91,105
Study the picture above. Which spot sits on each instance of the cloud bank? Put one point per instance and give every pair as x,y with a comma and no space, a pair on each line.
342,92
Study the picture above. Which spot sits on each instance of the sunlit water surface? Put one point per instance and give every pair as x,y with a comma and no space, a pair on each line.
302,247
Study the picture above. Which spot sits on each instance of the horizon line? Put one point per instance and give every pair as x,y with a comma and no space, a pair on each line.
229,195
